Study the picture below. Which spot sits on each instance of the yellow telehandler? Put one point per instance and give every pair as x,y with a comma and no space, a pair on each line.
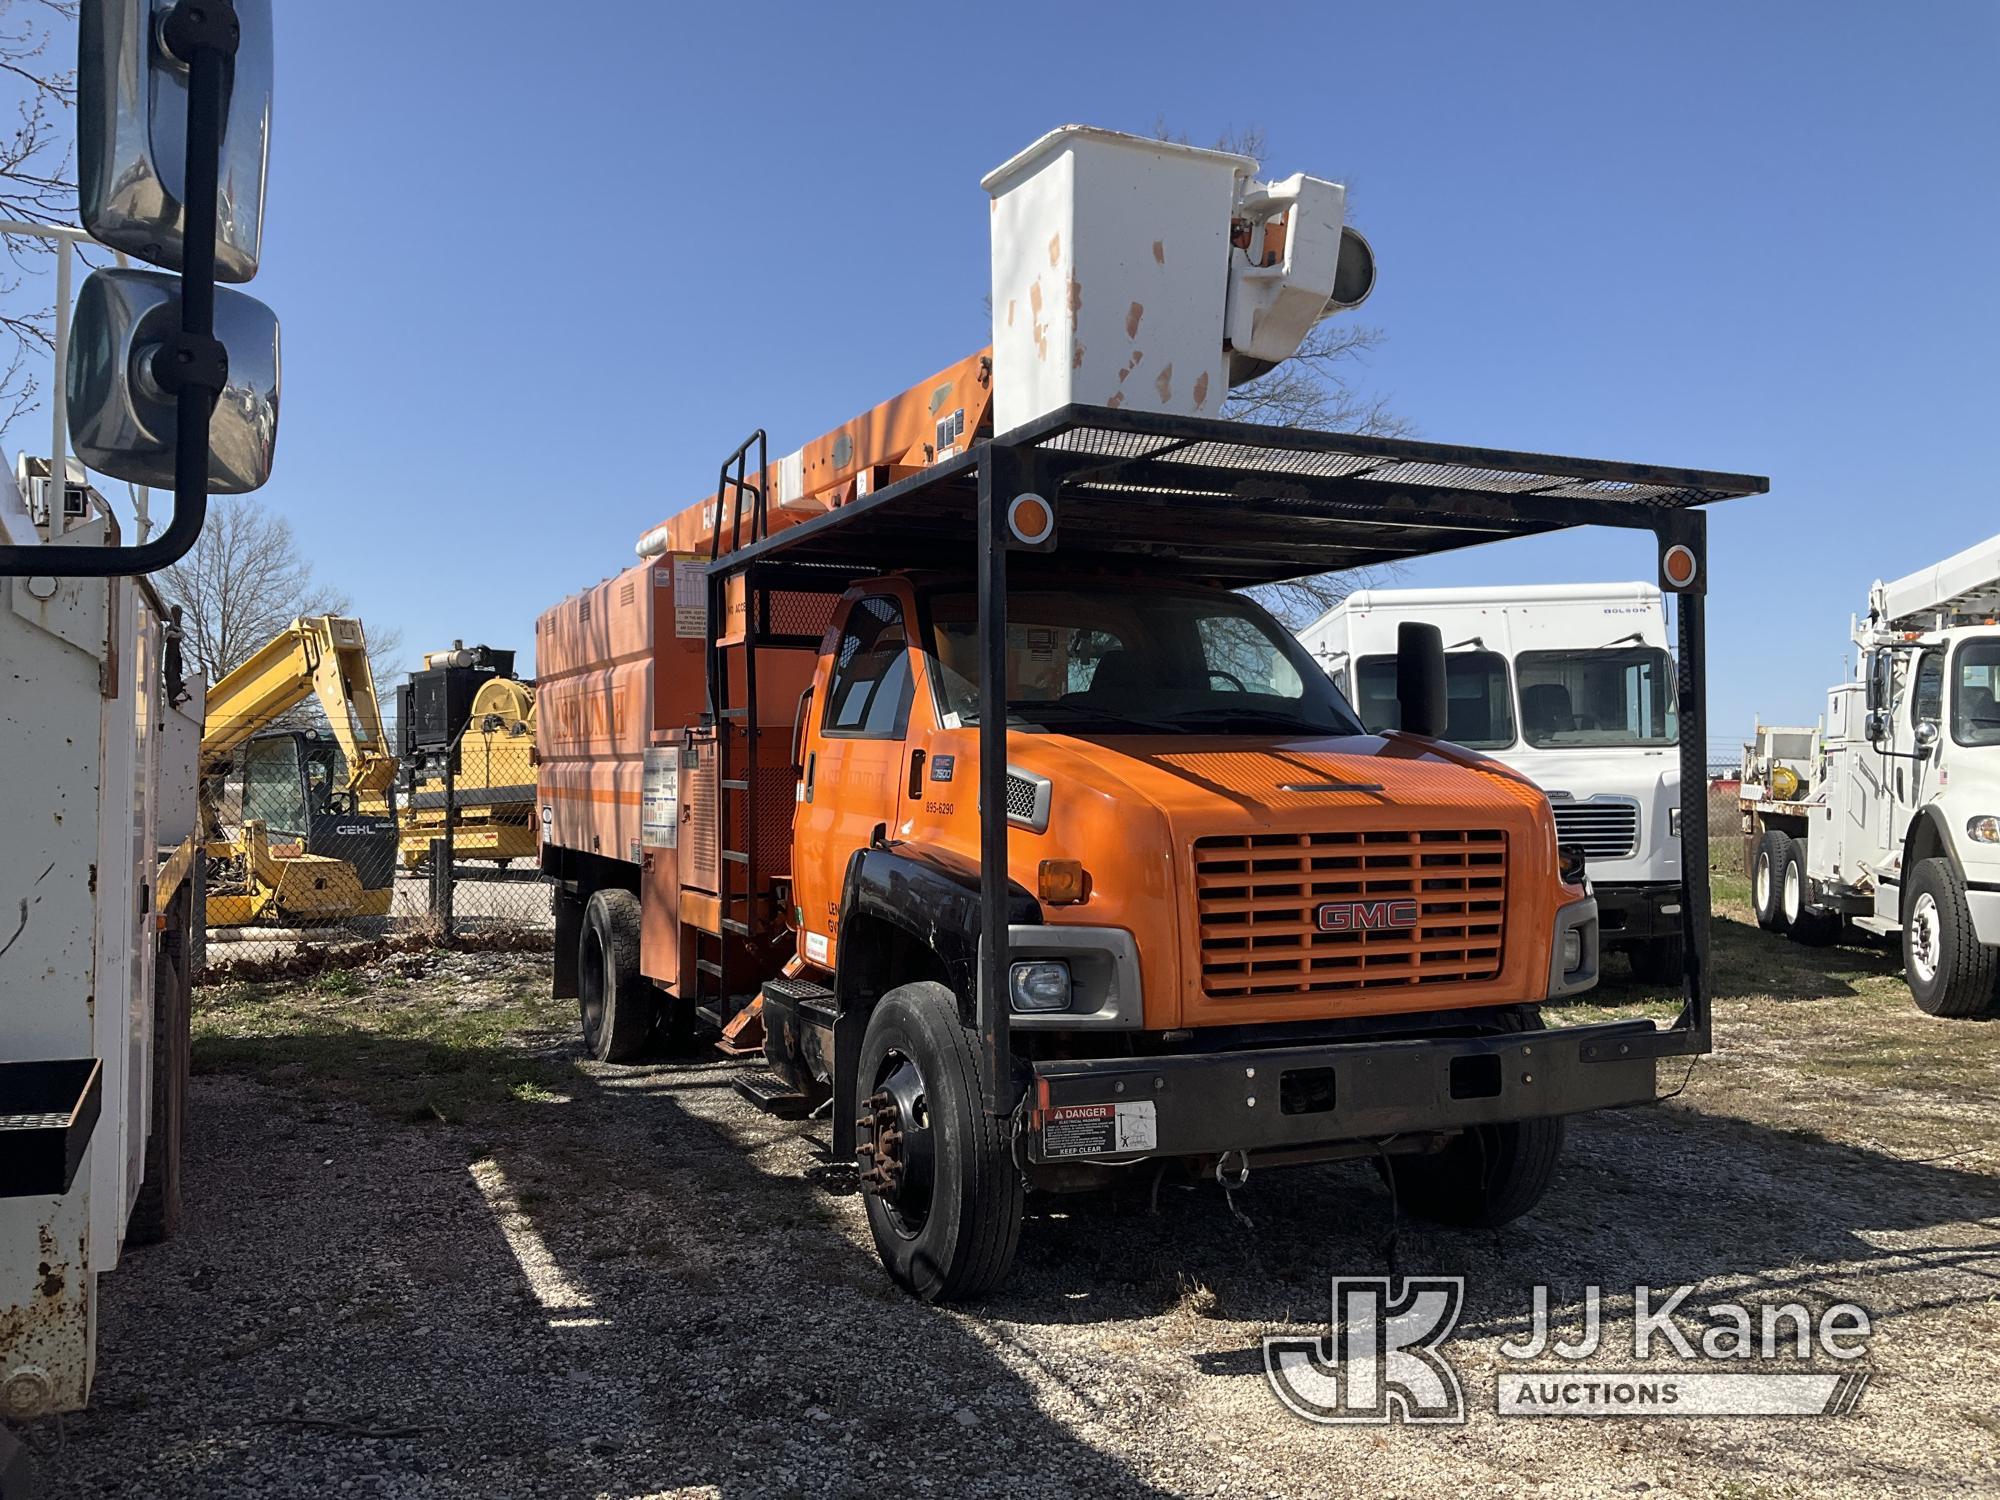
314,836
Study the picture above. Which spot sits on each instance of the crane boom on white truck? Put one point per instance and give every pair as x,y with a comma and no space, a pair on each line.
1896,827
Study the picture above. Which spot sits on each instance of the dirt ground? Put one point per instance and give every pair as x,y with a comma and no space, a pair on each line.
433,1252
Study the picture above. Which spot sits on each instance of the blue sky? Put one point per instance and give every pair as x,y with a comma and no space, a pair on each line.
539,273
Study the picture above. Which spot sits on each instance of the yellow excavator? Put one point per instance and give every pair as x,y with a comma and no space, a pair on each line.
314,840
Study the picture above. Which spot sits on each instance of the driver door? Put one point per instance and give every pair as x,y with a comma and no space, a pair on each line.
1913,744
853,774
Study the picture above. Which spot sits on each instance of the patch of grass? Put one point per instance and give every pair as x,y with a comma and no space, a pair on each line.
444,1050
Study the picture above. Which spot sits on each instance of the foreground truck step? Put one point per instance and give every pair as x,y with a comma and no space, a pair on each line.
953,738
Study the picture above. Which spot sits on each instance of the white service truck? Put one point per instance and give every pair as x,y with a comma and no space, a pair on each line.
1896,828
1572,685
162,379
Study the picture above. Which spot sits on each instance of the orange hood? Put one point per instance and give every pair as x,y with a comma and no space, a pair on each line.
1248,837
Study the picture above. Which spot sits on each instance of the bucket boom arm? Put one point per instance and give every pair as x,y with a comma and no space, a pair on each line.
317,654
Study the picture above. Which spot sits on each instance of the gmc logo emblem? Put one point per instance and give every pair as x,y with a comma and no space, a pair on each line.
1366,916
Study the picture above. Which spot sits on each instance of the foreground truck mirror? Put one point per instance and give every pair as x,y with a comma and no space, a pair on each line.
156,77
124,414
1420,678
132,97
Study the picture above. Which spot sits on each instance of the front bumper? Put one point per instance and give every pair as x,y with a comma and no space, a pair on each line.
1285,1098
1637,913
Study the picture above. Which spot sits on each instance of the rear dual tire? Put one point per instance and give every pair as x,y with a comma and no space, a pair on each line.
1767,879
616,1004
1782,895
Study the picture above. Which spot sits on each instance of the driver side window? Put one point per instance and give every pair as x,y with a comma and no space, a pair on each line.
1927,699
869,694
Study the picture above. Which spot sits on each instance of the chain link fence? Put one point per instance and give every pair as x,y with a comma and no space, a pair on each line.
304,874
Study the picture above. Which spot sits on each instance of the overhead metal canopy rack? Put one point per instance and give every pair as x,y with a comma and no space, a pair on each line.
1236,504
1241,503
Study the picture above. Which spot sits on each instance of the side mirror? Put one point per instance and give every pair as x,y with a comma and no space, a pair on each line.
125,422
132,101
1926,736
1875,725
1420,692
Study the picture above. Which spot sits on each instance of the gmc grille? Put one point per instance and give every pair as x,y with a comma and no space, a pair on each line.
1259,896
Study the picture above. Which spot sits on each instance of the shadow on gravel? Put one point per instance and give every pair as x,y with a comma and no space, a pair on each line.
1749,962
1664,1196
607,1295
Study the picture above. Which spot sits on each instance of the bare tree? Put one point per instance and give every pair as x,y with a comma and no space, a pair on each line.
1319,387
245,580
37,185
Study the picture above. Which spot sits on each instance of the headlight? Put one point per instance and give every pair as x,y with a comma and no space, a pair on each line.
1983,830
1039,986
1673,822
1572,950
1570,863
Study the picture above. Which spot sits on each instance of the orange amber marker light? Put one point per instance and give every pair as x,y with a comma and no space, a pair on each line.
1678,565
1031,518
1061,881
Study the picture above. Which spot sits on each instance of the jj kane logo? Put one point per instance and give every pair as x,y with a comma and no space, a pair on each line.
1383,1360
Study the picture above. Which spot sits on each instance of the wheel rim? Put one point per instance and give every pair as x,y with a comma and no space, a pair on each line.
898,1149
590,985
1793,895
1925,938
1763,880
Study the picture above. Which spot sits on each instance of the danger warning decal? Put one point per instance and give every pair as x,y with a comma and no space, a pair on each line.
1100,1129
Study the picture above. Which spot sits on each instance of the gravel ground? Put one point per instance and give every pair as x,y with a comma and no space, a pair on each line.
470,1263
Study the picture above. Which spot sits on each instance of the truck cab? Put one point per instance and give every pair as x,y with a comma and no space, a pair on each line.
1573,686
1204,824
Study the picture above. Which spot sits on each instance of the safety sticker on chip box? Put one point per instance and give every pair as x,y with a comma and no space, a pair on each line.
1100,1129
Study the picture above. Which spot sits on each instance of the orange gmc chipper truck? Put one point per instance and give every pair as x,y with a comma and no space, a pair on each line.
946,760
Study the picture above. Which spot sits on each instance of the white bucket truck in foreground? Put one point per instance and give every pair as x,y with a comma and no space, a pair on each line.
1897,826
1570,684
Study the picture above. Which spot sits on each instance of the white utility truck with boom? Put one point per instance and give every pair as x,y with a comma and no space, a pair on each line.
163,380
1897,829
1571,685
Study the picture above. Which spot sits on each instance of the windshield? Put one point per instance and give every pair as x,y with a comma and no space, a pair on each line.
1608,697
1479,705
1118,658
1975,720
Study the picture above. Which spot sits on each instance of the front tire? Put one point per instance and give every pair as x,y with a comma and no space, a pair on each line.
1767,879
1949,972
1658,960
943,1195
616,1003
1489,1176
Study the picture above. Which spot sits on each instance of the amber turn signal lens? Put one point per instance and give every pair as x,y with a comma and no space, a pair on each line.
1678,565
1061,881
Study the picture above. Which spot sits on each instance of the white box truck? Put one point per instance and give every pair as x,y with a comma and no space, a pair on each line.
1572,685
1896,827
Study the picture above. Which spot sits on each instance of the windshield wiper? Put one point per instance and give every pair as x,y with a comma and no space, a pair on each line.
1029,709
1261,715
